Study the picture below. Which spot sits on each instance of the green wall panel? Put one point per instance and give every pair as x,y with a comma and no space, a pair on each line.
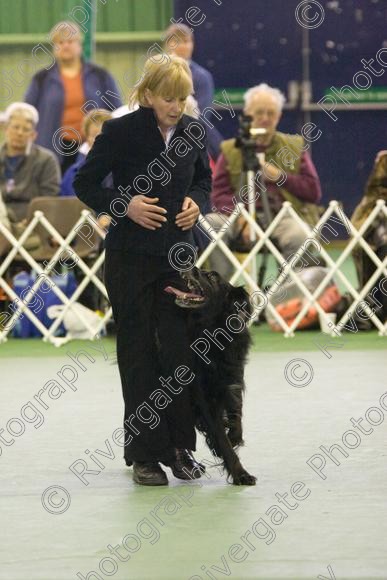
12,16
32,16
133,15
116,17
38,16
146,15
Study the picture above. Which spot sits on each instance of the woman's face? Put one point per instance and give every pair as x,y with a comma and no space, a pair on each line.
67,48
168,110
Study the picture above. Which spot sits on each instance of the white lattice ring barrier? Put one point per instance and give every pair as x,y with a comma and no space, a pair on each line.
333,212
23,307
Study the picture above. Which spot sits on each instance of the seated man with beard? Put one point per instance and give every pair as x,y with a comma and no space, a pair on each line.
296,181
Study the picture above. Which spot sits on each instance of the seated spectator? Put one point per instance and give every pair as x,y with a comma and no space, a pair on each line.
179,41
301,187
61,93
91,127
376,233
26,170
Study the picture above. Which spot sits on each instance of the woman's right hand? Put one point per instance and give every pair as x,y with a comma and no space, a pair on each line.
143,211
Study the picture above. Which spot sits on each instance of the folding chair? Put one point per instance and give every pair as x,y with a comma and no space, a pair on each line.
59,224
63,214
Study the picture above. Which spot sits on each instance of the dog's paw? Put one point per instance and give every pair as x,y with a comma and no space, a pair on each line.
244,478
235,439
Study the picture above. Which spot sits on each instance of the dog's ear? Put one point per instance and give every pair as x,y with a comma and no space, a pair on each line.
239,302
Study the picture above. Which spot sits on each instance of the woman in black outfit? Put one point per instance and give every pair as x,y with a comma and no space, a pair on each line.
158,159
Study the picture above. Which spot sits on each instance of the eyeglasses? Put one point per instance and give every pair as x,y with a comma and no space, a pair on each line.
271,113
26,130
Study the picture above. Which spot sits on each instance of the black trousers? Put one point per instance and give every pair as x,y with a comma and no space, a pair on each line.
142,310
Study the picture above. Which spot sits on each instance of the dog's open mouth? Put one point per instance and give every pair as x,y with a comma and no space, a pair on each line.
186,299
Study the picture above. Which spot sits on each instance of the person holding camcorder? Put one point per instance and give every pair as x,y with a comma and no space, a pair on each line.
288,174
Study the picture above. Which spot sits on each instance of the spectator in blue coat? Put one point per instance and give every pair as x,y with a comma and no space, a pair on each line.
92,126
66,91
179,40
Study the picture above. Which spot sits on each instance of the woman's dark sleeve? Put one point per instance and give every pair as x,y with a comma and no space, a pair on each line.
88,180
201,184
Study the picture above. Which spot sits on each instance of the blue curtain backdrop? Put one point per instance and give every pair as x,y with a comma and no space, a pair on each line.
251,41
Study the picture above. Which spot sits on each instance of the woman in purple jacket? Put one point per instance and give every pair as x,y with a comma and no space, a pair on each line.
66,91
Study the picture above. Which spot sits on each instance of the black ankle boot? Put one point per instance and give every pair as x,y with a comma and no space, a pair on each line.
185,466
149,473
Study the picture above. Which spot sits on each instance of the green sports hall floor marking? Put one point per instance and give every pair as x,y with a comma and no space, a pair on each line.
264,340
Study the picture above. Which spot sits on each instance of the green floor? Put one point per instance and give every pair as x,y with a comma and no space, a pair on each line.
208,529
185,530
264,340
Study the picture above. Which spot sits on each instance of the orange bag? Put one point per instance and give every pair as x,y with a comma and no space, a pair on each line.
290,309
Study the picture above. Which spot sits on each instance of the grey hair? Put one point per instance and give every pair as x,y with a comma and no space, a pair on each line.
263,88
25,109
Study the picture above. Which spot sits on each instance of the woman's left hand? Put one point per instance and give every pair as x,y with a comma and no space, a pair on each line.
187,217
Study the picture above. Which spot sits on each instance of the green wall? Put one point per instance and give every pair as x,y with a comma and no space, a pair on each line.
125,30
34,16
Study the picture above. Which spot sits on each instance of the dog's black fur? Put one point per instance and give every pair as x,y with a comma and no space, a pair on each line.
220,385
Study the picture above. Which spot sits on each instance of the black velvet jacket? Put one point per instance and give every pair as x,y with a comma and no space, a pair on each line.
133,150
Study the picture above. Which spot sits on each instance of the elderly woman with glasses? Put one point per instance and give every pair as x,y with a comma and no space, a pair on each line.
27,170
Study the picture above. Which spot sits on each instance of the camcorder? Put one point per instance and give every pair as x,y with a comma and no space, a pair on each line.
246,133
247,141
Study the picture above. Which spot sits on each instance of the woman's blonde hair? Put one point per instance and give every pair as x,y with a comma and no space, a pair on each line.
95,117
169,76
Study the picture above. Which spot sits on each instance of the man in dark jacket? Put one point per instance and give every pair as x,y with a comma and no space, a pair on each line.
179,41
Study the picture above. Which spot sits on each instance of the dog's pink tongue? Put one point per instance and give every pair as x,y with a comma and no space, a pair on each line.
179,293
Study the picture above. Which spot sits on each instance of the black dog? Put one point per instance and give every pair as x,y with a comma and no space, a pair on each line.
219,390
